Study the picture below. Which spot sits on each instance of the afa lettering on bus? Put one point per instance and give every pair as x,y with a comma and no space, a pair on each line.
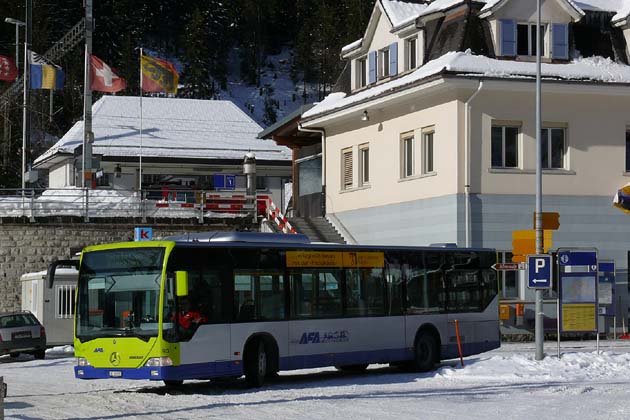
316,337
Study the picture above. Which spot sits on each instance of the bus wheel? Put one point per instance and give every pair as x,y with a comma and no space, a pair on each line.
173,383
256,364
352,368
426,352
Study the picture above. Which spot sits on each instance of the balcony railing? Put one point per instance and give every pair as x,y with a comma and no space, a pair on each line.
167,203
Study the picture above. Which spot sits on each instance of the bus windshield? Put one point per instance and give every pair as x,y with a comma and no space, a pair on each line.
119,292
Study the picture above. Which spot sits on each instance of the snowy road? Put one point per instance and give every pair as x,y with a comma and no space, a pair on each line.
504,384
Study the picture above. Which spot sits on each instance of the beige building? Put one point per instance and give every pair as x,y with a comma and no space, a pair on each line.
435,141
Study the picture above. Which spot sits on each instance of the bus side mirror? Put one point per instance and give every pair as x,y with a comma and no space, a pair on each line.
181,280
52,268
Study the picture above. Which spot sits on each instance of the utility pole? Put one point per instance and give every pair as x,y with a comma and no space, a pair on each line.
88,135
539,327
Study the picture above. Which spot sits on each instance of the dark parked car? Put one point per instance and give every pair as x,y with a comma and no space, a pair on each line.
21,332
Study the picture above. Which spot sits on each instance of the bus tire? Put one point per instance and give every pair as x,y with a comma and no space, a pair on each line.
426,352
352,368
173,383
256,361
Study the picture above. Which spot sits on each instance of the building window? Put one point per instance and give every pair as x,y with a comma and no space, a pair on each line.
364,164
627,149
383,62
428,151
65,301
362,72
553,148
526,39
504,147
411,53
346,170
407,156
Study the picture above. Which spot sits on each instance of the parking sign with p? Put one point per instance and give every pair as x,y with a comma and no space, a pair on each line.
539,271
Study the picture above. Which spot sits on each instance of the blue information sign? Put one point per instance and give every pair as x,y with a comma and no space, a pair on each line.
539,271
606,290
143,234
578,290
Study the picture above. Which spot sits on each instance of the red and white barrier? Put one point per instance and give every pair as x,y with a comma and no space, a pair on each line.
273,213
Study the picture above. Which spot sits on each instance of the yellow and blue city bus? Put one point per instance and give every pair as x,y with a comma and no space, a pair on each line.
225,304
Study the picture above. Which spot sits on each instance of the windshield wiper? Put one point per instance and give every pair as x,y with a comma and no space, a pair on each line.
114,332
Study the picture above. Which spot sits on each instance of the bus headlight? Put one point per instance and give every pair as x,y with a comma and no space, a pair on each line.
82,361
159,361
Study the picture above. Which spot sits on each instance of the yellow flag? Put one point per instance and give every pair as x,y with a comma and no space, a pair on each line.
158,75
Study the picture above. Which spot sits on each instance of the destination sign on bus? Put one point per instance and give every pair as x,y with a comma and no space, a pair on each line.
335,259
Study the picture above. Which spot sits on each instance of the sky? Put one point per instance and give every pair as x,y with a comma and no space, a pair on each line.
506,383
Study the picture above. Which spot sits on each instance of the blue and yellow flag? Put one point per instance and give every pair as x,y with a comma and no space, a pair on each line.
44,75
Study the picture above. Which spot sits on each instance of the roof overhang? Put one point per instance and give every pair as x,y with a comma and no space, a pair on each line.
571,8
444,81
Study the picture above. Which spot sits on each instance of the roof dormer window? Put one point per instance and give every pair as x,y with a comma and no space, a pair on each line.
383,63
526,39
361,72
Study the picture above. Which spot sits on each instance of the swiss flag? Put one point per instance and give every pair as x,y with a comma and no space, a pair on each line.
8,70
103,77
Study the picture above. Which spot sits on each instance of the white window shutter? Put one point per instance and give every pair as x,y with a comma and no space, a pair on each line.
347,170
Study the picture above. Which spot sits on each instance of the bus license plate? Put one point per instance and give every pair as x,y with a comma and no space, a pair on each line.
115,373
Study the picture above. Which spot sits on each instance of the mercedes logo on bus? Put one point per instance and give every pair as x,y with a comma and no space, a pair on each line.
114,358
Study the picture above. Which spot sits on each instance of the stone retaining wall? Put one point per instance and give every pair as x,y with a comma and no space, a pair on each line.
26,248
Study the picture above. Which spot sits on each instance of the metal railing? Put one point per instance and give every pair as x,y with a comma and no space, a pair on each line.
167,203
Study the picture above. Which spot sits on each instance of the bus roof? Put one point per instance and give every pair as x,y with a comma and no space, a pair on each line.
280,240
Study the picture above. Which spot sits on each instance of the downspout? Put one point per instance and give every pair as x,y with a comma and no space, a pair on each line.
322,132
467,165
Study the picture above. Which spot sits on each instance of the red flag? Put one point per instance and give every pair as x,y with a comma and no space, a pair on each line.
103,77
8,69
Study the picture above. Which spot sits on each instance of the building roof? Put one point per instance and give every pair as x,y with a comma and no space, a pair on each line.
402,12
171,128
593,69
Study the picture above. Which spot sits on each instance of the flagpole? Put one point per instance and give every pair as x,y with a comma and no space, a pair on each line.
140,172
88,135
25,110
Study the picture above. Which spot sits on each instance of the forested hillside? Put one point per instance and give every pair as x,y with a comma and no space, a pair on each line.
216,44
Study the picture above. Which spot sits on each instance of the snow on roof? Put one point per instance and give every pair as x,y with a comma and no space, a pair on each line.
440,5
402,12
351,46
171,127
621,8
596,69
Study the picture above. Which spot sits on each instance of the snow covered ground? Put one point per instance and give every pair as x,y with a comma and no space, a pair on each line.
503,384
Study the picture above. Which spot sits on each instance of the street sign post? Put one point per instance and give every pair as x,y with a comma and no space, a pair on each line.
509,266
606,288
539,272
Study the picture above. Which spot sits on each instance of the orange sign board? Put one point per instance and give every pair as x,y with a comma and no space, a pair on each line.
550,221
320,259
524,242
504,312
519,258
